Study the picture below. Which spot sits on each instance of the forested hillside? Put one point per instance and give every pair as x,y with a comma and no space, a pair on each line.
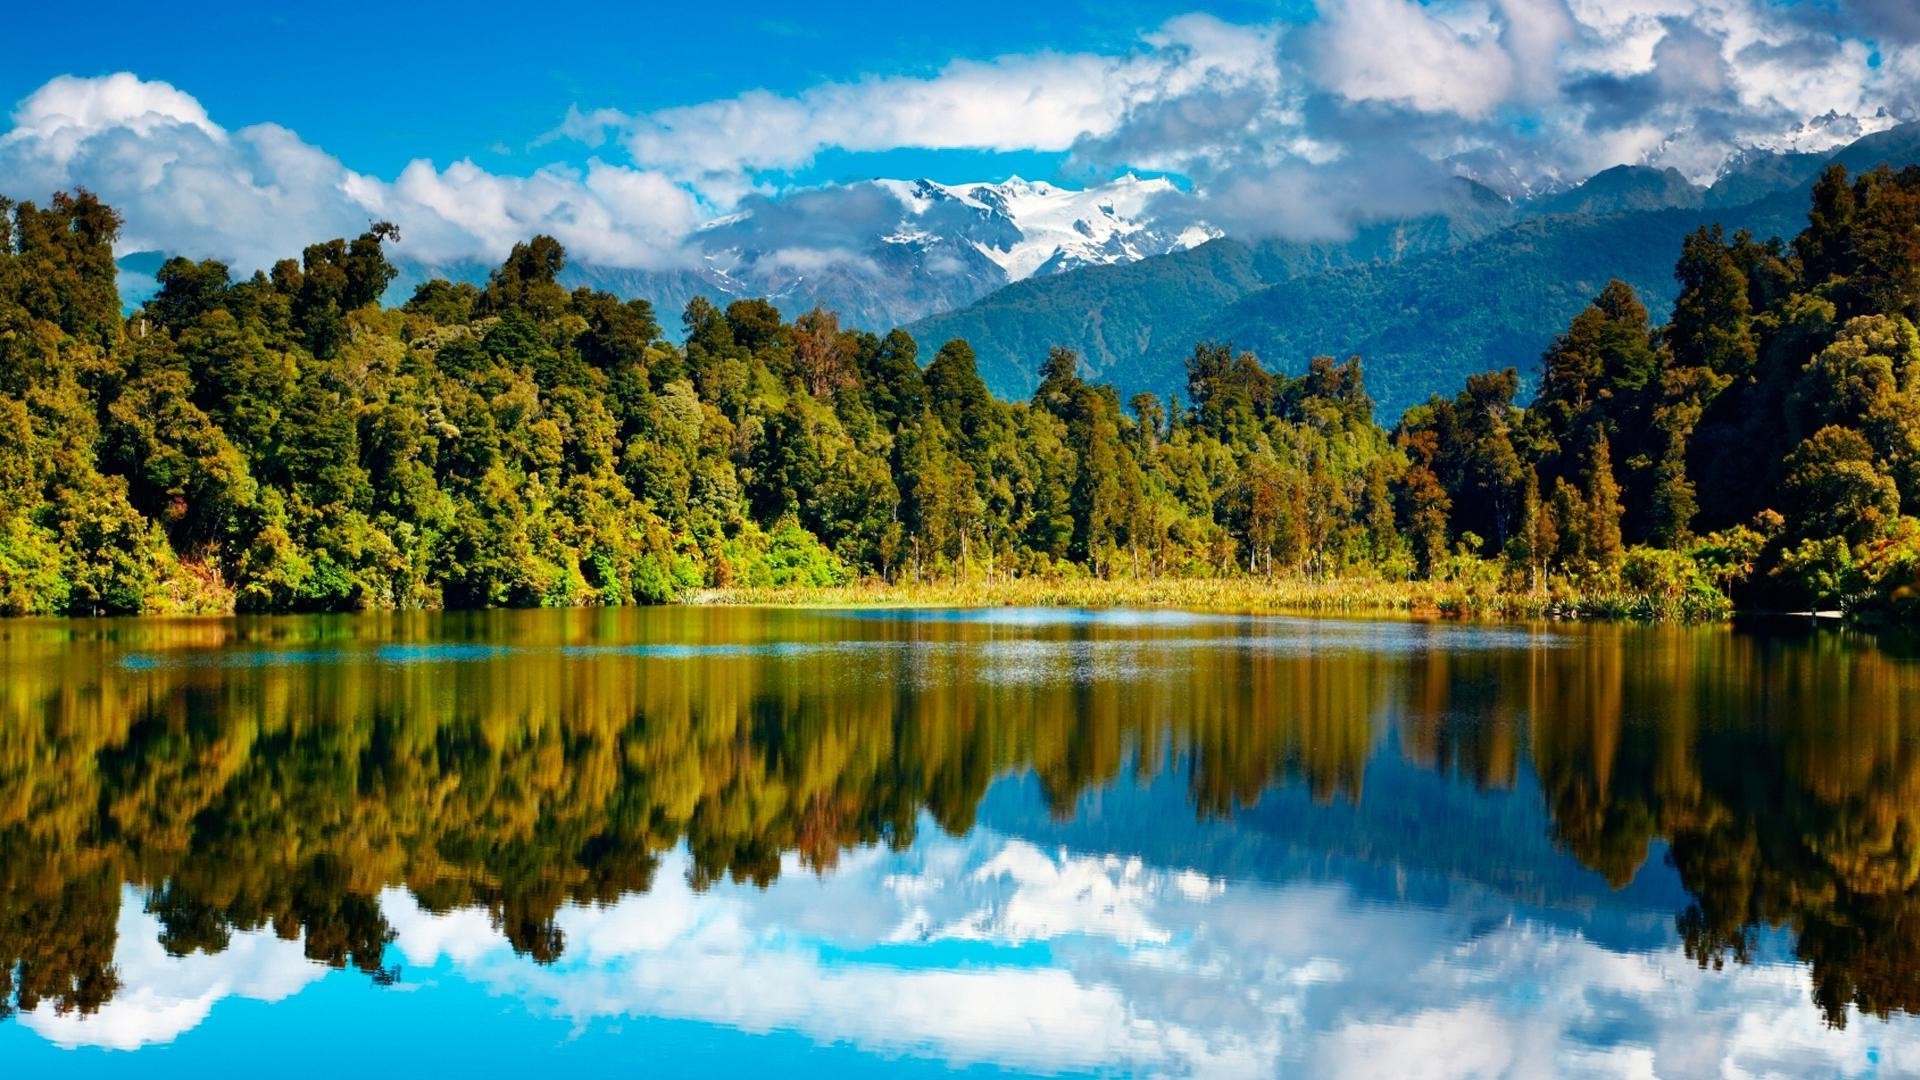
1488,304
1132,323
284,442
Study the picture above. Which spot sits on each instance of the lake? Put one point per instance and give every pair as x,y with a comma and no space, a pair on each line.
651,841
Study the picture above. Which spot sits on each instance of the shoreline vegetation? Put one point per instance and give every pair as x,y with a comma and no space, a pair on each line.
286,443
1238,595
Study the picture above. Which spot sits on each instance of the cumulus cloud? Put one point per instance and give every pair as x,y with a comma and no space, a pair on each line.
67,109
1044,101
261,193
1405,54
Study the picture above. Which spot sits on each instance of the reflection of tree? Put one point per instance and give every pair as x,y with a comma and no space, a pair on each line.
243,795
286,796
1459,719
1268,717
56,938
1786,779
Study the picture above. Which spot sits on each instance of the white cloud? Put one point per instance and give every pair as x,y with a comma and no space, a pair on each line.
1402,53
609,214
261,193
1043,101
67,110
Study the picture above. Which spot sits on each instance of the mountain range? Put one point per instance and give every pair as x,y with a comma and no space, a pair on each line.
1123,274
1481,282
883,253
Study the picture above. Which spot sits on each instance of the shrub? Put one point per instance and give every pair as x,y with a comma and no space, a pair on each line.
1667,584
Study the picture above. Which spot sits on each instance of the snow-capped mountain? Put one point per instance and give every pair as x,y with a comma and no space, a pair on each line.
1029,228
883,253
1833,130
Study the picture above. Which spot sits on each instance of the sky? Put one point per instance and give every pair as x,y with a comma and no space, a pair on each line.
244,133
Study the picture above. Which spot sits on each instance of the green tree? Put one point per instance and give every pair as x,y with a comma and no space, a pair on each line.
1837,489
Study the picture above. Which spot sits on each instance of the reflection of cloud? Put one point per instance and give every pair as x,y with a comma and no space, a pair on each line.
1167,972
734,958
163,996
986,950
1102,898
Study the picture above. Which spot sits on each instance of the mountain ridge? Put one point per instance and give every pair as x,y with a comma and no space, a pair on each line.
1421,316
883,253
1017,267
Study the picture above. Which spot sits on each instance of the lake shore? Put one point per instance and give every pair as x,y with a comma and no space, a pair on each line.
1430,599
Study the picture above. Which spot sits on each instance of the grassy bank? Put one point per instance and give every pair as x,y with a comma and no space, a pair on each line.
1482,599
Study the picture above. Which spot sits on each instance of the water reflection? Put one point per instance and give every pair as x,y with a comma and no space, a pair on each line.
1181,842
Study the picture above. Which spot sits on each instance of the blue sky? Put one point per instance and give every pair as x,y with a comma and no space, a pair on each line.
487,80
243,133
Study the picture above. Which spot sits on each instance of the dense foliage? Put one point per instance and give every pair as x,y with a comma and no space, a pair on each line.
283,442
1763,440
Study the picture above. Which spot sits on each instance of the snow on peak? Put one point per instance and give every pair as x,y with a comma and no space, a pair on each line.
1051,228
1822,134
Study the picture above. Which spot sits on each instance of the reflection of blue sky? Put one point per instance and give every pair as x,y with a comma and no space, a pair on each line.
1414,837
1016,950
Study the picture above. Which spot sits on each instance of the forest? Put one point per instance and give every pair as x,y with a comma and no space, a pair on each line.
283,442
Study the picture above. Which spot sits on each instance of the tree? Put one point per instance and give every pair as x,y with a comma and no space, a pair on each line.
529,281
1535,544
1825,245
1836,487
822,355
1425,499
1228,393
1885,245
444,302
335,278
891,376
1603,545
63,268
1595,372
1475,456
1673,502
1712,325
188,290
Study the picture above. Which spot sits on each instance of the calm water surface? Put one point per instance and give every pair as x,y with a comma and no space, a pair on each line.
728,840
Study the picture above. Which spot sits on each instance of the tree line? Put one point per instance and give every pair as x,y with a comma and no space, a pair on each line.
283,442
